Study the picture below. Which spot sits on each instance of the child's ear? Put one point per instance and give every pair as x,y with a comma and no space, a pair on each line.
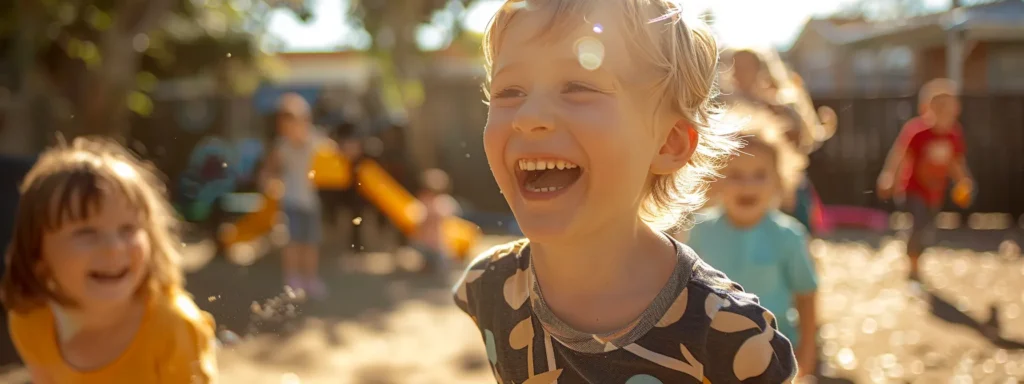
677,149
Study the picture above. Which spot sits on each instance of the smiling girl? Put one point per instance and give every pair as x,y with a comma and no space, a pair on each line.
755,244
93,287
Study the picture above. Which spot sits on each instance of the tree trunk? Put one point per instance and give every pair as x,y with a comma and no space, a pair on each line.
99,95
407,64
101,101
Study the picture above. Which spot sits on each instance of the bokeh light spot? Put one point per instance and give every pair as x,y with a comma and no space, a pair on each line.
590,53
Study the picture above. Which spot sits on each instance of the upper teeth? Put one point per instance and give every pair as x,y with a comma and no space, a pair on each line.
540,165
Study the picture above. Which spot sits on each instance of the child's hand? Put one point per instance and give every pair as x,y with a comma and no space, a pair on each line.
273,188
962,192
884,186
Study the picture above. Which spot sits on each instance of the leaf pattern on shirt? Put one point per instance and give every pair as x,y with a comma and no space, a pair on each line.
516,289
676,311
696,370
545,378
729,322
471,276
522,337
755,354
713,304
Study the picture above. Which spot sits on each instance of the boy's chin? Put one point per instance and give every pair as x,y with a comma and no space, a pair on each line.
545,228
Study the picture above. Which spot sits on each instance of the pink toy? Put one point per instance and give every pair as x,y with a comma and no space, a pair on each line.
847,216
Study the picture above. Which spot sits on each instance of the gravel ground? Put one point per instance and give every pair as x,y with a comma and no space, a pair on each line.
383,325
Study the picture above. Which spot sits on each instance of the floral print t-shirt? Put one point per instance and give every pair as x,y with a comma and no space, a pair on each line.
701,328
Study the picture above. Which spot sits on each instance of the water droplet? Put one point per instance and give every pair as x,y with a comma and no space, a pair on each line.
1012,311
357,221
869,326
290,378
228,337
229,54
896,339
517,4
896,372
917,367
989,366
847,359
1001,356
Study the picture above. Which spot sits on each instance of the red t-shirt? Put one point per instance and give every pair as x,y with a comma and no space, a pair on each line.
929,156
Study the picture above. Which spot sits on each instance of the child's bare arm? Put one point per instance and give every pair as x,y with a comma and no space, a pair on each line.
39,376
960,172
807,351
894,163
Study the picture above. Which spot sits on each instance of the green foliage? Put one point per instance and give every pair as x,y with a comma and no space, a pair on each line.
172,38
392,26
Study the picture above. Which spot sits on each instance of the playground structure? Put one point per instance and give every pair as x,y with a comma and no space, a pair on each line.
214,191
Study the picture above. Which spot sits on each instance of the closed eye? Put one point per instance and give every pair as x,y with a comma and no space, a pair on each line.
509,93
85,233
128,229
574,87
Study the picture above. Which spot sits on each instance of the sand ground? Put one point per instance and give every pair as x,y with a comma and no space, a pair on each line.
383,325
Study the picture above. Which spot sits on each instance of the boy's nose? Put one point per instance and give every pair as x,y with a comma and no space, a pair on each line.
533,116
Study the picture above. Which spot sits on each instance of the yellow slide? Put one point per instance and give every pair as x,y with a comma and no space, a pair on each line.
330,170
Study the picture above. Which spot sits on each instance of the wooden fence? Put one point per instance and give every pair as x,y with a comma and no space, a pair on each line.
845,168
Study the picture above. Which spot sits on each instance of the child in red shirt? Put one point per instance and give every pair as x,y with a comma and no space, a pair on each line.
928,152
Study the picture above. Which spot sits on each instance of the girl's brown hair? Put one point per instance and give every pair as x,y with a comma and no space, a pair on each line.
68,183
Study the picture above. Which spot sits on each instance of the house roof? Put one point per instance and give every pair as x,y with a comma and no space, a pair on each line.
999,20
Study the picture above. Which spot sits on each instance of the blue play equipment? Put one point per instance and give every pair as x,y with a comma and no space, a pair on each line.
216,168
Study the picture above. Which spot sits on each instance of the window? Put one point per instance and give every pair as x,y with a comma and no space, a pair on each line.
1006,68
888,70
817,70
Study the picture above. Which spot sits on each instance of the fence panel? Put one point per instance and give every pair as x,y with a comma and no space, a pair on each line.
845,168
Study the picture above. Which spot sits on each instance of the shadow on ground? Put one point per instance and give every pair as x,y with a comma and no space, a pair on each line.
251,300
975,240
989,329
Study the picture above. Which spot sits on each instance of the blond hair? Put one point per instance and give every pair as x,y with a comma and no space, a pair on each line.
936,87
684,54
68,183
786,89
762,129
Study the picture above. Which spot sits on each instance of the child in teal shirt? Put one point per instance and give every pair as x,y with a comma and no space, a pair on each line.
751,241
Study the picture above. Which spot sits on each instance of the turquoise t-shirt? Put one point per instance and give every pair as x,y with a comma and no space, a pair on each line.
770,260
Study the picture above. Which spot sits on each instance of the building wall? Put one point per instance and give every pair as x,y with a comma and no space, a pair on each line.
1006,67
989,68
976,79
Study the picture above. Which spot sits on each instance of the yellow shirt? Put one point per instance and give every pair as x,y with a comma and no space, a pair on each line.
175,343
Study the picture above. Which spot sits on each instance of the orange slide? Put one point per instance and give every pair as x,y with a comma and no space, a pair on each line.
331,171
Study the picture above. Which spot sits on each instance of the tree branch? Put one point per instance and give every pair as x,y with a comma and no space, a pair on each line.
141,16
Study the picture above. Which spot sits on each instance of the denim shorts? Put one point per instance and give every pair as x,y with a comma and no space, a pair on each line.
923,231
305,225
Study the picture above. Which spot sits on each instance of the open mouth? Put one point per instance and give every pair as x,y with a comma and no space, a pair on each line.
746,201
108,276
545,176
